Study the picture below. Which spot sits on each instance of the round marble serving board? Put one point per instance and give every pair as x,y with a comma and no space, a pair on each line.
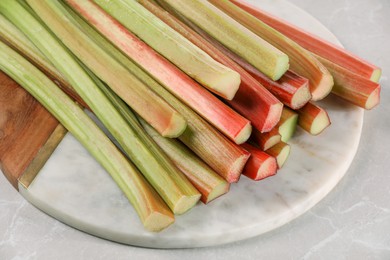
74,189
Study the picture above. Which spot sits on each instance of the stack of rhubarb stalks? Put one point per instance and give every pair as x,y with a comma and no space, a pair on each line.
194,92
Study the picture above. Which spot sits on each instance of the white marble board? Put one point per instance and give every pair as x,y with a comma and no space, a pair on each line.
74,189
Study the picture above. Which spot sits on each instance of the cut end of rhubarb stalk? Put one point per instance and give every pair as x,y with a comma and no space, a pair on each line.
281,151
267,169
319,124
273,117
158,221
376,75
272,141
301,97
287,129
324,87
176,127
236,169
313,119
244,134
218,191
260,165
283,155
282,65
374,99
227,85
185,203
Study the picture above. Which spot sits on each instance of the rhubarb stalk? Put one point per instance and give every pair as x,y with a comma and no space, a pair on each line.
287,124
152,211
225,119
352,87
232,34
260,165
313,119
281,152
301,61
11,35
266,140
252,100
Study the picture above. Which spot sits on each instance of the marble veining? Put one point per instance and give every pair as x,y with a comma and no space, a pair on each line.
73,188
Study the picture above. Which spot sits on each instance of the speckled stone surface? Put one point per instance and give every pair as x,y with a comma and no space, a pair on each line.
352,222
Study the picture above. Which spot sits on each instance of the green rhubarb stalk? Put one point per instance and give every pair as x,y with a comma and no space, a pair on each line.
170,183
232,34
287,124
159,114
10,34
301,61
188,57
223,156
152,211
205,180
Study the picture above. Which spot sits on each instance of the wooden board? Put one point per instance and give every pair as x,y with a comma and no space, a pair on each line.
28,132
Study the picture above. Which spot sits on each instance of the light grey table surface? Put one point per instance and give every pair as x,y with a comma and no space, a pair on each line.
352,222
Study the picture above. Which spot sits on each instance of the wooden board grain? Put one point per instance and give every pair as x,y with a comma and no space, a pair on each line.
25,128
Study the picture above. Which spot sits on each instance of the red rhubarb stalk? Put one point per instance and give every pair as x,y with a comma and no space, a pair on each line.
313,119
260,165
252,100
315,44
292,89
225,119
